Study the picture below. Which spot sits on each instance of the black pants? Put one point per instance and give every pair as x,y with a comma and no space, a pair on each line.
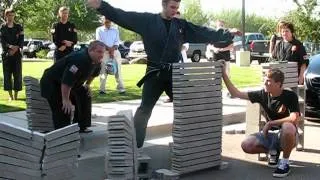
152,89
81,99
12,66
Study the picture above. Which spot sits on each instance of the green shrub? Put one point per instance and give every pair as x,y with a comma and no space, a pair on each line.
42,54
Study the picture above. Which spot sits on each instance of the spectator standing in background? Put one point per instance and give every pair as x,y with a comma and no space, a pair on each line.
64,34
11,36
109,35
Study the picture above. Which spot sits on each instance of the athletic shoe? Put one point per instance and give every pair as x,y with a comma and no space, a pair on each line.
273,158
282,170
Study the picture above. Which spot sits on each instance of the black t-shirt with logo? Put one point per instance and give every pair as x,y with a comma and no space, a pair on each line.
72,70
62,32
292,51
11,36
276,107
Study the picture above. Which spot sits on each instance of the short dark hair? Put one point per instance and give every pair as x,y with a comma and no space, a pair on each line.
288,26
276,74
7,11
166,1
94,44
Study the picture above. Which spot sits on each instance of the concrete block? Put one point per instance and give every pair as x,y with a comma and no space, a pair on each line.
15,130
19,147
19,155
62,148
19,162
62,132
63,140
61,155
20,170
243,58
22,141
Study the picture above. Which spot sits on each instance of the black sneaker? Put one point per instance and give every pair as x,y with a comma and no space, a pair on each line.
282,170
273,158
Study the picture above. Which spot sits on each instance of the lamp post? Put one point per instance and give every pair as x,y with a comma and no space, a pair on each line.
243,21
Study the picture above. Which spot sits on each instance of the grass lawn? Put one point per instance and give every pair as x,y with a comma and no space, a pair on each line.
241,76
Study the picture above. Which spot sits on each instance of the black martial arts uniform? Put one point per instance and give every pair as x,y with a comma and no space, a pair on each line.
62,32
162,40
12,65
293,51
73,70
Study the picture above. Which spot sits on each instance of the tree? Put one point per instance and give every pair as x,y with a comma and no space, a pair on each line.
254,23
37,16
193,13
306,21
4,4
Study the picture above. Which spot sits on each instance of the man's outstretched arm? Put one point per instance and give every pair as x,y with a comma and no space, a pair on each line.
133,21
235,92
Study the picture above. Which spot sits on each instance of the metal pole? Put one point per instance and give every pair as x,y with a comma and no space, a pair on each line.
243,21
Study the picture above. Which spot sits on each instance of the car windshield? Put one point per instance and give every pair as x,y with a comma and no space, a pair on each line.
238,38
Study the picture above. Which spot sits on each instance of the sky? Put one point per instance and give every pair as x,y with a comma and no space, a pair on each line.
269,8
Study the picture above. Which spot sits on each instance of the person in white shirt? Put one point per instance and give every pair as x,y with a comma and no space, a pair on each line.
109,35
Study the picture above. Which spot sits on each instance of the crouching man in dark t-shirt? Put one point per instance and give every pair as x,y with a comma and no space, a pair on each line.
280,131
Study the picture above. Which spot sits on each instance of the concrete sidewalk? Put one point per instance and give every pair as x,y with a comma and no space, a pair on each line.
305,165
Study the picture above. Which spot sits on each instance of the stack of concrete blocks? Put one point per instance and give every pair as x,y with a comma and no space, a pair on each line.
38,110
122,152
60,157
24,154
20,152
197,125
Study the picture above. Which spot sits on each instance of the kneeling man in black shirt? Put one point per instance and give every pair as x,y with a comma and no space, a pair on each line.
280,131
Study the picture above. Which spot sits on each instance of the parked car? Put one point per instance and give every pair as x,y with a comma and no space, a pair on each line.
124,51
31,47
312,84
259,50
196,51
249,37
137,50
80,45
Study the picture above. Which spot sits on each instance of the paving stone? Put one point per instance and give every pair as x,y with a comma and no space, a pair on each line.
197,155
19,162
193,132
195,167
196,138
69,160
23,141
19,155
21,170
195,120
198,107
62,148
62,132
63,140
19,147
180,146
199,125
15,130
190,102
197,149
61,155
8,175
